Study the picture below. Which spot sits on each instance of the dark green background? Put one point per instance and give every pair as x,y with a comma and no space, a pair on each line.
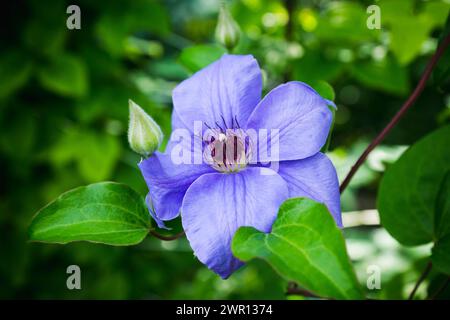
64,110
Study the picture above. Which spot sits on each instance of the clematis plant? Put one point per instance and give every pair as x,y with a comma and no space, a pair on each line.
249,180
236,183
232,162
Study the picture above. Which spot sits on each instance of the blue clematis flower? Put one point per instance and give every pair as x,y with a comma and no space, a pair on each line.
219,195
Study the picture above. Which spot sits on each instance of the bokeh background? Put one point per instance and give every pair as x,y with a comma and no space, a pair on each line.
64,113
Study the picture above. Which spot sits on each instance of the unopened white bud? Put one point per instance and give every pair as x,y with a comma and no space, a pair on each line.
144,134
227,30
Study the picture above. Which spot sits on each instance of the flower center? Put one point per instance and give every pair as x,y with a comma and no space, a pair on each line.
227,151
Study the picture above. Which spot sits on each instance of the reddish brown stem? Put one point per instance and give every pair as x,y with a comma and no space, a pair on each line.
294,289
422,277
412,98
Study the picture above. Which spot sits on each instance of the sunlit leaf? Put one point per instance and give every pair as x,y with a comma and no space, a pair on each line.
98,156
95,154
406,45
401,17
436,12
345,21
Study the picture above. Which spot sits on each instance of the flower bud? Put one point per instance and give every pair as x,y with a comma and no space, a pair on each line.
227,30
144,134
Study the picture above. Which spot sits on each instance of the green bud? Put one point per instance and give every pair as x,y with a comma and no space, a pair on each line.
144,134
227,30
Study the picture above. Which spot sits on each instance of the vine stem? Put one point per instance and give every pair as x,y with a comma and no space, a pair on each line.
290,6
166,238
294,289
409,102
419,281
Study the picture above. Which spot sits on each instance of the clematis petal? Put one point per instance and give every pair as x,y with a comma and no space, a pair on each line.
160,223
186,140
300,116
167,183
216,205
224,91
315,178
177,123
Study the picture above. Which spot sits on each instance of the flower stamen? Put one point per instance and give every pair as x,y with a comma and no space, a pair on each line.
227,150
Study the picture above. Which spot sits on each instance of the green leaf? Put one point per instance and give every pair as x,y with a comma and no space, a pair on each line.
19,129
15,70
386,75
305,246
442,221
313,67
95,154
402,16
411,191
406,45
391,10
324,89
65,75
441,73
345,22
441,255
140,16
197,57
436,12
46,36
441,251
105,212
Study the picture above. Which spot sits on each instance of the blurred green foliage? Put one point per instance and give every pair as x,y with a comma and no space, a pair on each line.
64,112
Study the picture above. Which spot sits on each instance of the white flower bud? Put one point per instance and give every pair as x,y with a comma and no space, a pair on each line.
144,134
227,30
